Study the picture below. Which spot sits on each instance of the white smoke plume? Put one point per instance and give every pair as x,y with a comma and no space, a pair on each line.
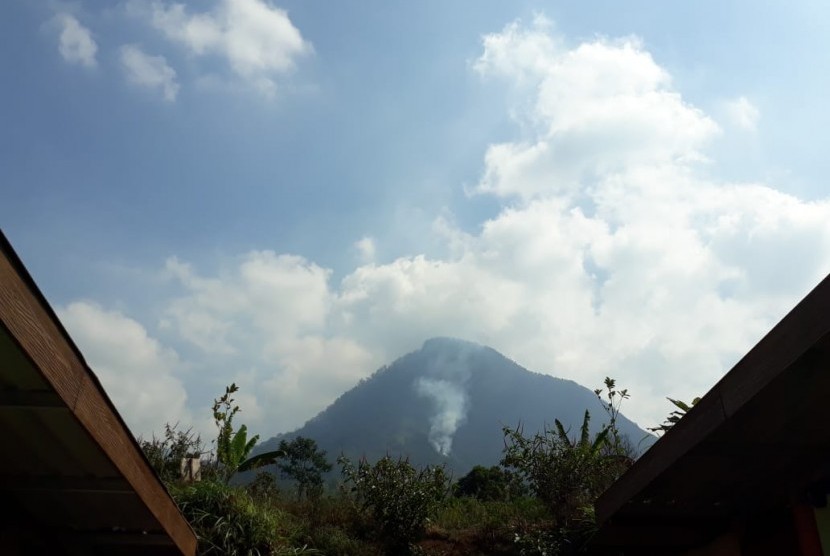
450,402
445,385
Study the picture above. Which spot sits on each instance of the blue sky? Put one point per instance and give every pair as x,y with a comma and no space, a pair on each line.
291,194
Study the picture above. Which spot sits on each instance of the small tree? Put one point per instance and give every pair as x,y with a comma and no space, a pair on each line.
233,446
484,483
303,463
612,408
399,498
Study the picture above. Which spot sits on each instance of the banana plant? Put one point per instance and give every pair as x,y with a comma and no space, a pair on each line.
584,444
675,416
233,446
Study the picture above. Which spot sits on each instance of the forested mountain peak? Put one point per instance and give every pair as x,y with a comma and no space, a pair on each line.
448,402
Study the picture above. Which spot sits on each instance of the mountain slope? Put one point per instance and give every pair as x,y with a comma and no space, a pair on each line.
447,403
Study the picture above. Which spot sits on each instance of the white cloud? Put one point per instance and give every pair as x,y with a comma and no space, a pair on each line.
366,249
76,43
148,71
743,114
257,40
594,109
265,324
615,253
136,371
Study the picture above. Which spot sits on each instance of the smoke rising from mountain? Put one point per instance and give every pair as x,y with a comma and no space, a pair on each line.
450,402
446,386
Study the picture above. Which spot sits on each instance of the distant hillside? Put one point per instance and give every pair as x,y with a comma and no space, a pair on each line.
447,403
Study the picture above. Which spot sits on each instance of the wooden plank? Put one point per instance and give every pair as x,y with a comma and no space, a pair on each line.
32,325
807,325
666,451
802,328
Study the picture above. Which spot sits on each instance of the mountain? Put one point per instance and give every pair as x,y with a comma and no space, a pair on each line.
447,403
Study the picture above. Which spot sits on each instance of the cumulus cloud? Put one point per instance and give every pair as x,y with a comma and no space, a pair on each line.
265,323
615,253
366,249
148,71
743,113
593,109
76,44
138,373
257,40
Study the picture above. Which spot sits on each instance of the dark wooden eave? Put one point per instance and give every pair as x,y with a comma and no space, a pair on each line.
757,442
73,478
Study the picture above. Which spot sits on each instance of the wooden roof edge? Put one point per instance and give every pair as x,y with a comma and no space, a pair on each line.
36,328
803,326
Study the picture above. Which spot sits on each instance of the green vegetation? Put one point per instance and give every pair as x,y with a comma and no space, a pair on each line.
303,463
398,498
165,453
674,417
233,446
539,500
488,483
229,521
567,474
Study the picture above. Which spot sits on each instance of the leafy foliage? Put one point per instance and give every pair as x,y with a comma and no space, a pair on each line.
568,474
488,483
303,463
617,442
539,502
263,487
233,446
399,498
165,453
227,520
675,416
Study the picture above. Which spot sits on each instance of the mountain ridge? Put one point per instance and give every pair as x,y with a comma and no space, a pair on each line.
447,403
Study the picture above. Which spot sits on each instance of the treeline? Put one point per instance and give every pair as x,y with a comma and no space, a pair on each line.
538,500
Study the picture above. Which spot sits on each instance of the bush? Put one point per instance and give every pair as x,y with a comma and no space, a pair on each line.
228,521
165,454
264,487
398,498
565,476
486,483
568,475
338,542
489,515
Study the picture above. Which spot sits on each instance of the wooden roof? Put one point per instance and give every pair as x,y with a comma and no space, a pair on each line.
72,477
757,441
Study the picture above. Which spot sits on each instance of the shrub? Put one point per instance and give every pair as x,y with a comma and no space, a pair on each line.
399,498
488,515
263,487
337,541
165,453
486,483
568,475
228,521
565,475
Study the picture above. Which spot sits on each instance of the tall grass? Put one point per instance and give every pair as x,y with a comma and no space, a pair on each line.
229,521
